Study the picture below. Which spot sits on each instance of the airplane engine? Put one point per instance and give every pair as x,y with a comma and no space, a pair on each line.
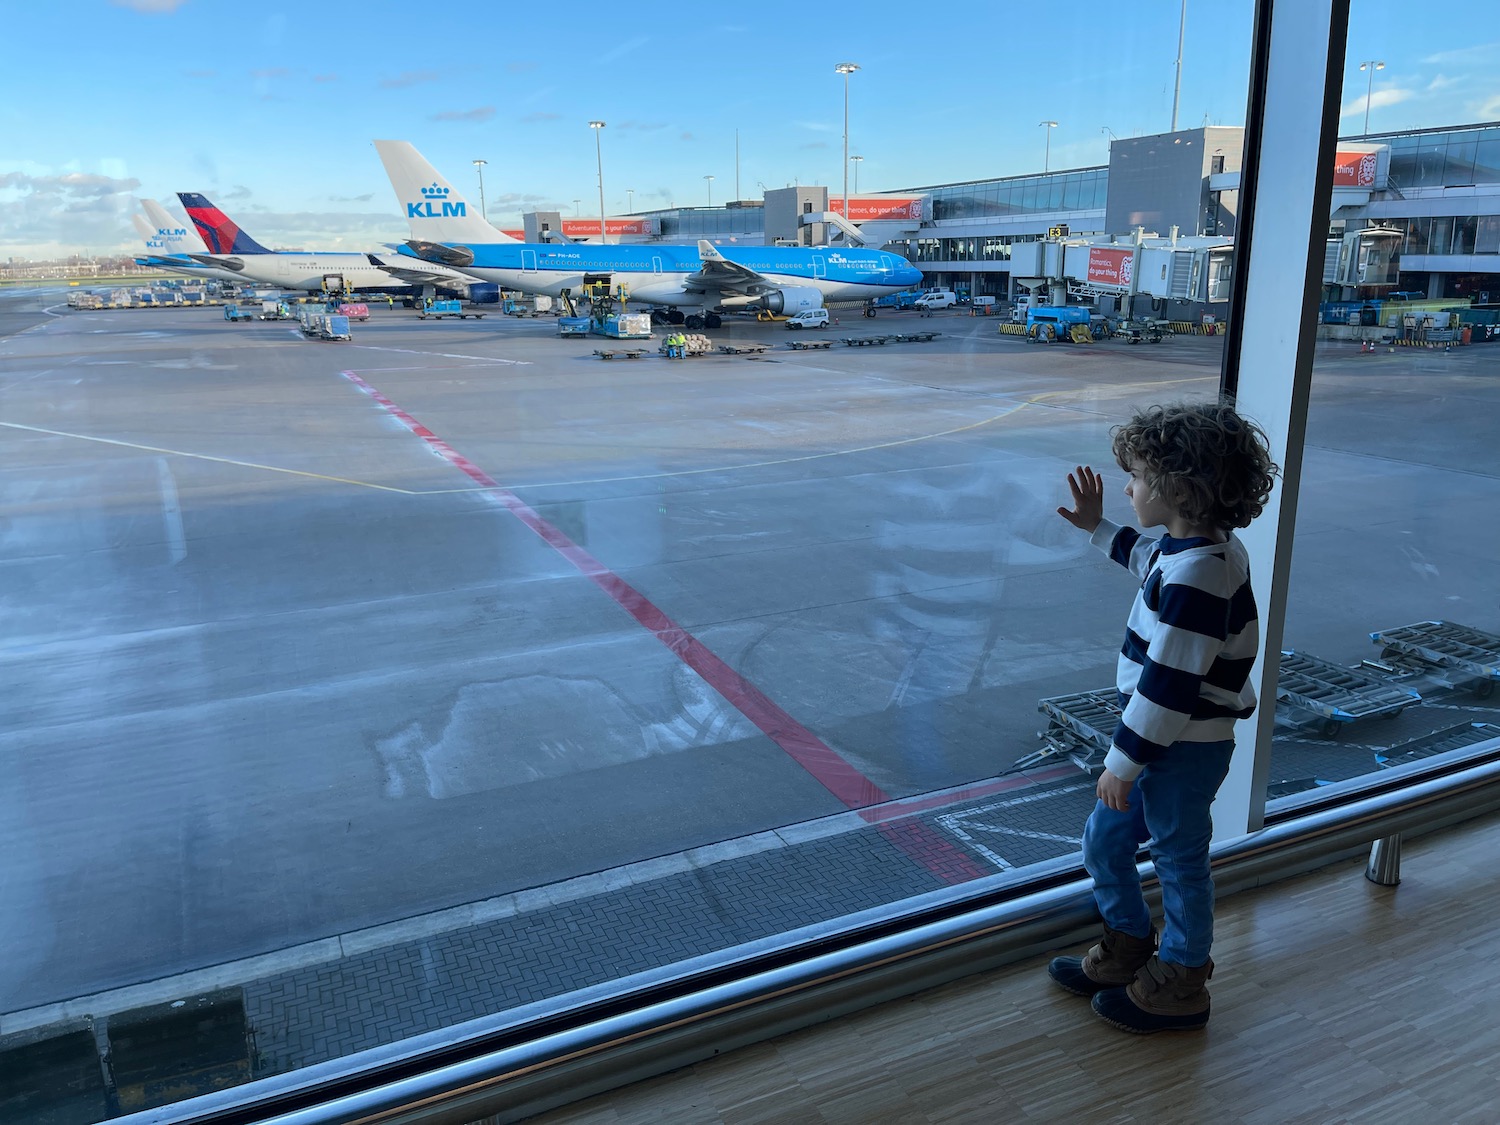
788,301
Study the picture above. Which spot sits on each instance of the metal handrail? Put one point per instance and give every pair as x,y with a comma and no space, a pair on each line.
557,1066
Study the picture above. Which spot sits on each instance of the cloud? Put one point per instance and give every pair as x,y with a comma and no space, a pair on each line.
1441,82
1390,96
1479,51
814,144
352,198
1488,110
239,191
533,118
409,78
77,184
150,7
483,113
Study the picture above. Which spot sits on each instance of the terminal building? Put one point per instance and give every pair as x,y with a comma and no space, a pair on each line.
1415,212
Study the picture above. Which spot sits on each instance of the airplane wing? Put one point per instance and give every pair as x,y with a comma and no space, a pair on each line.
719,273
223,261
413,273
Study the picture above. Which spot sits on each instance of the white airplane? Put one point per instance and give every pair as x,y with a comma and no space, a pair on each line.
229,247
691,282
169,244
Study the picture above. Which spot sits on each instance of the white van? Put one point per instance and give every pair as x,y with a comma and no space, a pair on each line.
809,318
937,299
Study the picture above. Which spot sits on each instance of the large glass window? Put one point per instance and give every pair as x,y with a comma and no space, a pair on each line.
654,659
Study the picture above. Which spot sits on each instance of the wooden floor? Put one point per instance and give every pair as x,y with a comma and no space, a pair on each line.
1335,1001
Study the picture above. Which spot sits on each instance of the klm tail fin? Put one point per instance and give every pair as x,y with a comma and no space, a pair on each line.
219,232
169,235
434,210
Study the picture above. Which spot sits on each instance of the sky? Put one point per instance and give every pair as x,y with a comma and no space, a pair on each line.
269,108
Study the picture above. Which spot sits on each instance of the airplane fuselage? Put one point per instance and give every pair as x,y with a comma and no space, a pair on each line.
294,270
664,274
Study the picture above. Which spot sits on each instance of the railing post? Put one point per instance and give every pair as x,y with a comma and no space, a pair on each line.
1384,867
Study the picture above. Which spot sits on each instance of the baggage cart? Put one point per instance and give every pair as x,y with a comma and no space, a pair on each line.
1452,654
1330,696
1079,728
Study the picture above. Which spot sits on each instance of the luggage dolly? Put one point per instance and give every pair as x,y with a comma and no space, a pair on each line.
1334,695
1439,741
1079,728
1455,655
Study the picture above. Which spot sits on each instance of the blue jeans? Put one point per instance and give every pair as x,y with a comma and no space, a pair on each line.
1169,805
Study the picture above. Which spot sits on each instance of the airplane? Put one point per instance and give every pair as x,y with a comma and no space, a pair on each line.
168,244
689,282
230,247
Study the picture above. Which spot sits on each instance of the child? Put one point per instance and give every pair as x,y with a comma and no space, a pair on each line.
1197,469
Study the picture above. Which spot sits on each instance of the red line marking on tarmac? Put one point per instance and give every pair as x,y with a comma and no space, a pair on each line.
828,768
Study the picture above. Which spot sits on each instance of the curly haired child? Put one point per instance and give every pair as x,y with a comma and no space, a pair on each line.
1199,470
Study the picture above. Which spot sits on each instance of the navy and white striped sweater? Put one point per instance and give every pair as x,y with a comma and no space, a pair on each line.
1189,644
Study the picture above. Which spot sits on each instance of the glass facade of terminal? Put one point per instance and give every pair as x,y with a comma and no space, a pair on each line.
417,693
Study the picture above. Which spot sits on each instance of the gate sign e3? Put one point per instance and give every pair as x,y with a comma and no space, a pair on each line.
1108,266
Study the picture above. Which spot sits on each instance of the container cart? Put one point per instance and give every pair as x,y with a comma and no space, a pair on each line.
1079,728
1439,741
1335,696
1452,654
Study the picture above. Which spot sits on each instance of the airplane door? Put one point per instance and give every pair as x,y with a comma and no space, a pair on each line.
528,261
656,263
820,266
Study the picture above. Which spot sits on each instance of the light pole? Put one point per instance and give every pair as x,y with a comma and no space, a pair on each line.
846,69
858,160
598,128
710,181
576,211
1047,159
630,200
1372,65
479,164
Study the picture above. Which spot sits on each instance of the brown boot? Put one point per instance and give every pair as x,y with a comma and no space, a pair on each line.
1110,964
1163,997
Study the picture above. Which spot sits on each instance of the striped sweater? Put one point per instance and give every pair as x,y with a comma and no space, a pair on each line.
1189,644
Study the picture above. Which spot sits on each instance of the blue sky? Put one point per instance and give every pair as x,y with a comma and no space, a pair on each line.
270,111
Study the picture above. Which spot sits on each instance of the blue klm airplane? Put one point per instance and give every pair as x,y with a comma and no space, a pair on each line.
691,281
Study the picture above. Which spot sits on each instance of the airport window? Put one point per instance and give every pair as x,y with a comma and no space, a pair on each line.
656,658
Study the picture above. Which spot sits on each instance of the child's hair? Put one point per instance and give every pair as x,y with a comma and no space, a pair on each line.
1213,467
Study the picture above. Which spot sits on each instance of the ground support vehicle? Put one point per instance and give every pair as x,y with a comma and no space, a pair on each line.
1046,324
627,353
1142,331
808,318
237,313
275,310
624,326
1452,654
436,309
865,341
1331,696
743,349
808,345
574,325
916,337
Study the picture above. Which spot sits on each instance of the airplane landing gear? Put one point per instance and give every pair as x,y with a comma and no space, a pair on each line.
712,320
693,321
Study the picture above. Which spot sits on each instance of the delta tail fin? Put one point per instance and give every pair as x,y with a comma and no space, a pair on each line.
221,234
434,209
